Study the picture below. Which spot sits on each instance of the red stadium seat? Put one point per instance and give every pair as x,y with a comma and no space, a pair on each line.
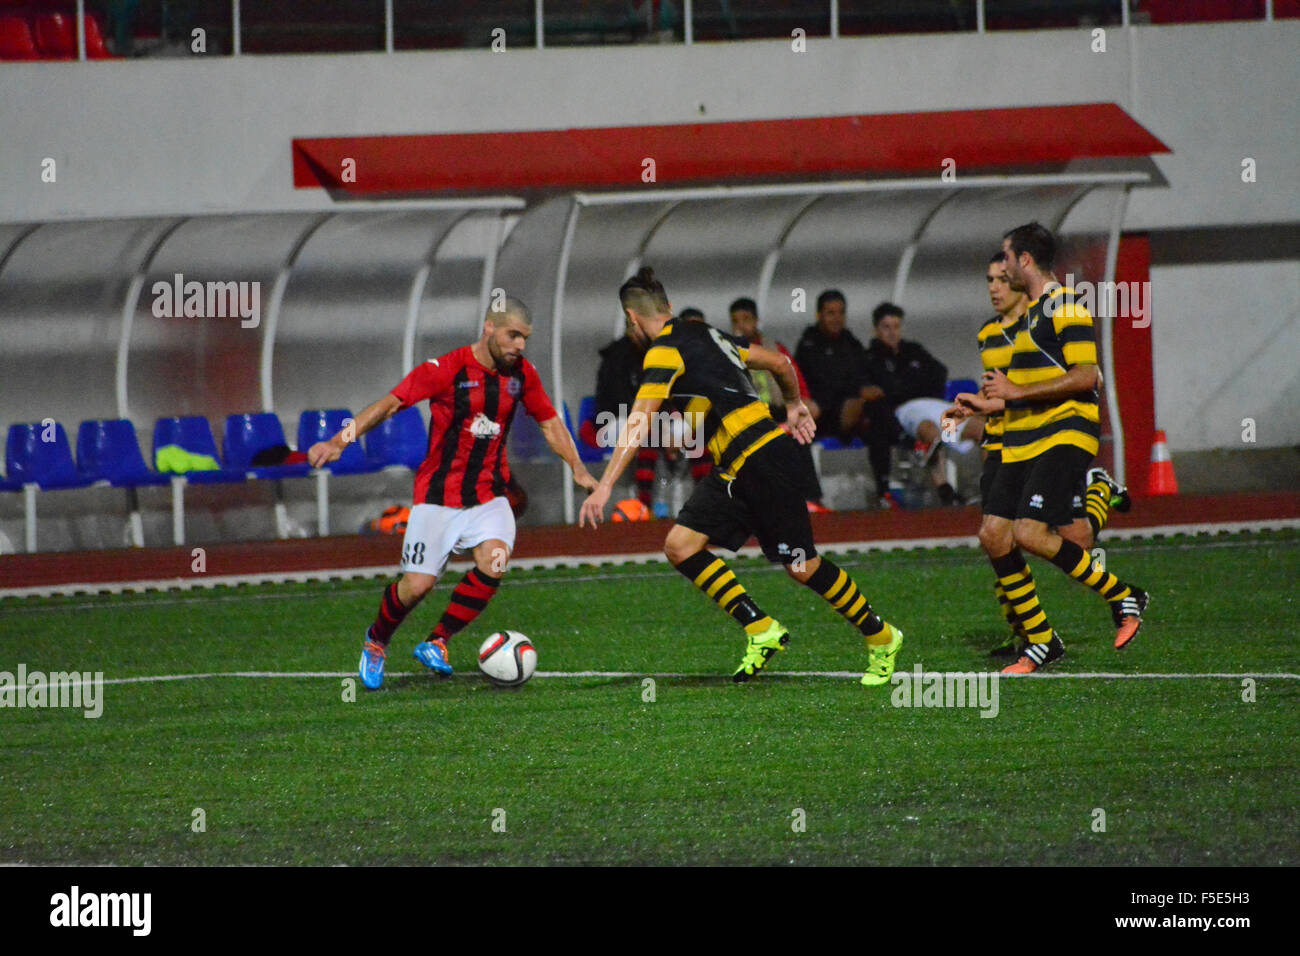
16,40
56,36
95,48
1203,11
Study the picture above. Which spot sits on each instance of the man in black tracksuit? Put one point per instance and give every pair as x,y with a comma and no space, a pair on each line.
905,370
852,405
617,380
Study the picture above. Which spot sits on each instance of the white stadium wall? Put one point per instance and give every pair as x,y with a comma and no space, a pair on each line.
212,135
1227,355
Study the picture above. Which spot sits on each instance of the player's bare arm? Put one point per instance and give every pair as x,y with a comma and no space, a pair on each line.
560,441
968,404
1080,378
956,412
798,418
324,452
630,437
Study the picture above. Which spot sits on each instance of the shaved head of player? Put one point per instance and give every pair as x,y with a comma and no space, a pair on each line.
460,499
505,333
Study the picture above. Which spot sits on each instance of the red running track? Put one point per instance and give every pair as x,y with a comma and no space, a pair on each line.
342,552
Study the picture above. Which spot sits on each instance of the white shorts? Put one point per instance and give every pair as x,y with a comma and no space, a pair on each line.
433,532
911,414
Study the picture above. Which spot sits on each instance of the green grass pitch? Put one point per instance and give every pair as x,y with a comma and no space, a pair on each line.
787,769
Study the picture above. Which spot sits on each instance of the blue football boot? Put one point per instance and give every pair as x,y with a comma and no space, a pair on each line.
433,655
372,663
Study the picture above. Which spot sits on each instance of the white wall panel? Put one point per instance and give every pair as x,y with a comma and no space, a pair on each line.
206,135
1227,347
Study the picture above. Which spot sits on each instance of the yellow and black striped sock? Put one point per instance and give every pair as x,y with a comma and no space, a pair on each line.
1078,564
838,589
711,575
1018,585
1096,501
1007,610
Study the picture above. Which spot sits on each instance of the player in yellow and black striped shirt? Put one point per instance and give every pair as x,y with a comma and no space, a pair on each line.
1051,433
996,339
753,488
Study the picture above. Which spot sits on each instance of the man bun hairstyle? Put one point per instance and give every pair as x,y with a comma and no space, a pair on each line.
644,294
1035,239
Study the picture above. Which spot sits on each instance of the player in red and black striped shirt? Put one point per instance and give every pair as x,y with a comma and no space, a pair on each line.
459,502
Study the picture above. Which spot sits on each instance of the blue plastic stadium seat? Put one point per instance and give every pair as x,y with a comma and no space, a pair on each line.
960,385
401,440
49,464
831,443
587,410
587,413
321,424
194,434
248,434
108,450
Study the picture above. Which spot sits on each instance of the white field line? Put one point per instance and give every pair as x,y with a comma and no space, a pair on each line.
573,561
838,675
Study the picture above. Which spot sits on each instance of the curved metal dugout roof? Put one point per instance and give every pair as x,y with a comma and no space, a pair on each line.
343,299
917,242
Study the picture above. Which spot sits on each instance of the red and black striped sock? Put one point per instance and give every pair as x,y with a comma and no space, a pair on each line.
467,602
391,613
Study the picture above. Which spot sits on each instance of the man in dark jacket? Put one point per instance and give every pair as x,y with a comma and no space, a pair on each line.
618,376
617,379
905,370
835,365
744,323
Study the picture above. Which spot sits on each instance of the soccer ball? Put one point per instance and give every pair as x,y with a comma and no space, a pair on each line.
507,658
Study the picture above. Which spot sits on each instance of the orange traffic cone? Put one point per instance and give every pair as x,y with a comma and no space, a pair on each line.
1162,480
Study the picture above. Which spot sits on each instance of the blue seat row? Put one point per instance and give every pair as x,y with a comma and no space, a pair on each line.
108,450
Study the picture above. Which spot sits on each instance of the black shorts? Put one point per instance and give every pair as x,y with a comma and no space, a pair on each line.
1048,488
992,459
765,501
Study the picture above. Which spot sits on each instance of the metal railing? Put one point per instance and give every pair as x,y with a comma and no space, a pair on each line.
638,22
